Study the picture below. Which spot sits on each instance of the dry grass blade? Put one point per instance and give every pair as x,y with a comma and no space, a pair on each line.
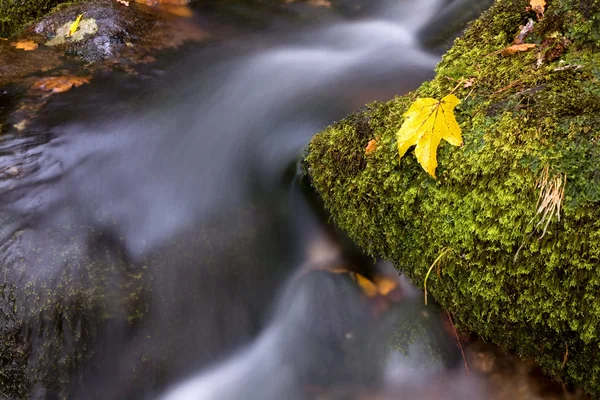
552,192
445,251
549,203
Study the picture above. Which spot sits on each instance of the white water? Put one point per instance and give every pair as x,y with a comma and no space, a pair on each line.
180,184
312,313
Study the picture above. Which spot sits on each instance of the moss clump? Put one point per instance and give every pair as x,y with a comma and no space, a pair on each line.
519,118
14,14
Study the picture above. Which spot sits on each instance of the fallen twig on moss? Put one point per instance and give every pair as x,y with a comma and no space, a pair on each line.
445,250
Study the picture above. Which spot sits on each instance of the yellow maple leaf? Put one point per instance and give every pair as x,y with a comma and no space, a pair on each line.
428,121
75,25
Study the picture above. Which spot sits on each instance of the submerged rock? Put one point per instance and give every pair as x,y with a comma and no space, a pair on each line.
516,275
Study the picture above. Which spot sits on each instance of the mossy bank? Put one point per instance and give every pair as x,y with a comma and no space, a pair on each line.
15,14
505,279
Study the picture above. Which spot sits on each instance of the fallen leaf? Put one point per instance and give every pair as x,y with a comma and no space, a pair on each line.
174,2
338,270
428,121
26,45
371,146
75,25
385,285
538,7
366,285
320,3
525,30
517,47
469,83
60,84
21,125
177,10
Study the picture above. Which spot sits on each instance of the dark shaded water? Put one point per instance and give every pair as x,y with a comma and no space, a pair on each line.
165,207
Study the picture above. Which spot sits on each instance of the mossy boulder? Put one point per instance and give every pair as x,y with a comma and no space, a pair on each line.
15,14
506,279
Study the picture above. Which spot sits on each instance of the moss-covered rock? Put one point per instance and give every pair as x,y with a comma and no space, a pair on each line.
505,279
14,14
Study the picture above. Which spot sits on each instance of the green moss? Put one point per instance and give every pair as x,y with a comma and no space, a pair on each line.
517,119
14,14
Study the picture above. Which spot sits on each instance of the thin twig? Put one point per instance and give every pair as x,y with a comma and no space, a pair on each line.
566,357
459,343
469,93
512,84
457,85
444,251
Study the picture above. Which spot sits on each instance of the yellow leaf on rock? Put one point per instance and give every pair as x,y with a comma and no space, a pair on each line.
428,121
26,45
75,25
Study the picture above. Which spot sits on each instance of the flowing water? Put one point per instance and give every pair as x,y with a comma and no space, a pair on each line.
167,206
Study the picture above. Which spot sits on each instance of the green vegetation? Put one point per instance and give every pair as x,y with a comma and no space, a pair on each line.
15,14
537,296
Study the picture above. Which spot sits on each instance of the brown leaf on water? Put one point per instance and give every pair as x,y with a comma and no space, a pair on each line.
59,84
154,3
177,10
26,45
385,285
517,47
314,3
320,3
366,285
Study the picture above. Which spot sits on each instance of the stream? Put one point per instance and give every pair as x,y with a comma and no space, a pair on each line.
179,189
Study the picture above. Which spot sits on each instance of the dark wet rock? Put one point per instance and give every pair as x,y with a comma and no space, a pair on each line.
110,35
109,30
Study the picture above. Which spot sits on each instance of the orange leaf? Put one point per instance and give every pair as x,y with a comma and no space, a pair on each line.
538,7
179,11
518,47
26,45
60,84
385,285
338,270
371,146
366,285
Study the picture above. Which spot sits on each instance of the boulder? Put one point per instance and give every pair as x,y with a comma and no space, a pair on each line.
514,272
